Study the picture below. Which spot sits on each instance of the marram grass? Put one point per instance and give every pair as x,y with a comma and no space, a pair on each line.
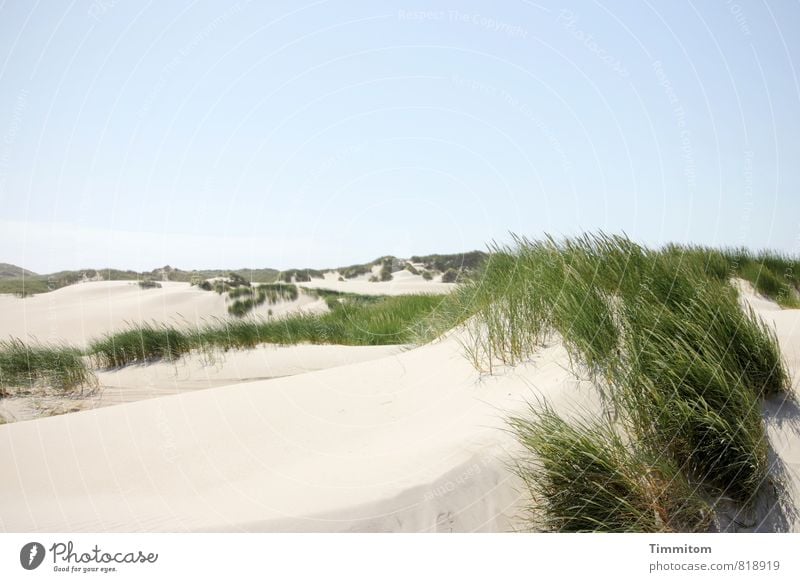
662,334
140,343
586,478
29,366
385,321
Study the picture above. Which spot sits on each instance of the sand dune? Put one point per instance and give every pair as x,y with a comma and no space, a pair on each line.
411,441
78,313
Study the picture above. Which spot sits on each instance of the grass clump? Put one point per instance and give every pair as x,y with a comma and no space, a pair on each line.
300,275
450,276
29,366
683,394
585,477
386,271
149,284
355,270
248,298
140,344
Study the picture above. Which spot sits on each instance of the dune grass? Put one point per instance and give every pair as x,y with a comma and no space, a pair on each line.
585,477
661,333
140,343
28,366
248,298
383,321
682,393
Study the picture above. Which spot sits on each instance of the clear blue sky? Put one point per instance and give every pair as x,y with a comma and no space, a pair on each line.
214,134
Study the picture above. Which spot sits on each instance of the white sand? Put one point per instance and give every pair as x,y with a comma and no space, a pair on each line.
192,372
407,442
79,313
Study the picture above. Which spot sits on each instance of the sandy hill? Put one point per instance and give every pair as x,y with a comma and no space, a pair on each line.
78,313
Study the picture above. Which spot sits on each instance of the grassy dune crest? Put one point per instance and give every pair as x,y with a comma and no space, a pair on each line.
662,334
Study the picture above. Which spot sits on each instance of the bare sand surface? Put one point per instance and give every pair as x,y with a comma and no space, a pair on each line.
411,441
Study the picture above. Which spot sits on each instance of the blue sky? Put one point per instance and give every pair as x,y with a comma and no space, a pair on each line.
217,134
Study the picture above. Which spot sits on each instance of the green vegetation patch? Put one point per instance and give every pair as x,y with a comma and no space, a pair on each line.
352,321
248,298
149,284
139,344
585,478
29,366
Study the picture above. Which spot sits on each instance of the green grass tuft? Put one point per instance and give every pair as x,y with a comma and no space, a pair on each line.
139,344
29,366
585,477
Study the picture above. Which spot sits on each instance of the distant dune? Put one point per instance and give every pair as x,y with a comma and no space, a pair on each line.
8,271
